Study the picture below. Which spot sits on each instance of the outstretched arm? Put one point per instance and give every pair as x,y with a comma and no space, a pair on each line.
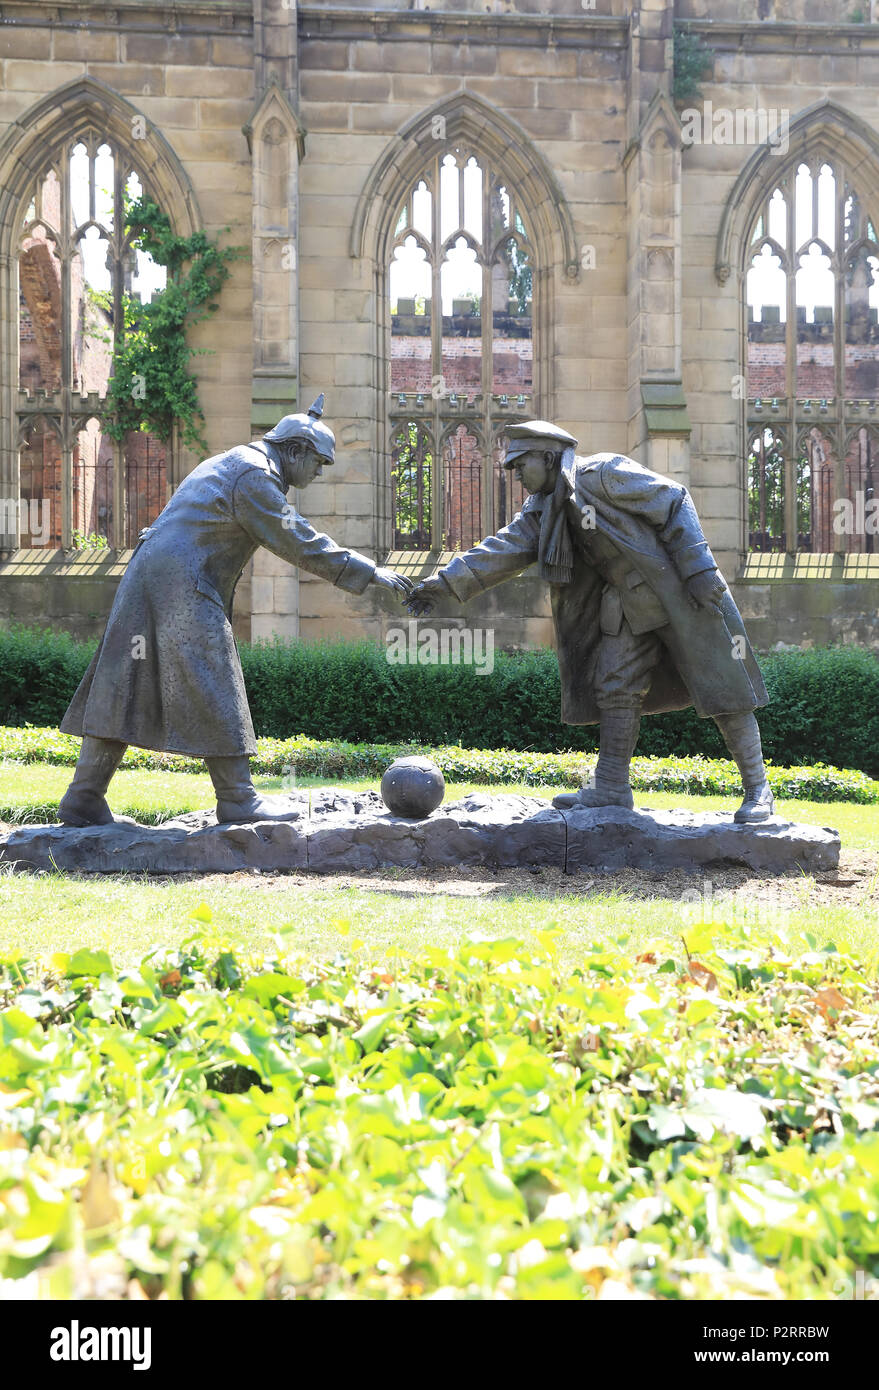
269,519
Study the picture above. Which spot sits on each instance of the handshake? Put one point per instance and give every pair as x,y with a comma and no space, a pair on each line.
418,598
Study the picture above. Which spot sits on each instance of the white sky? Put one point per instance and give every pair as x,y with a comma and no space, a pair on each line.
815,281
148,277
461,275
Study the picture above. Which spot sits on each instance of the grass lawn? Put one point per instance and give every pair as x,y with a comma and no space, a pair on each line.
397,909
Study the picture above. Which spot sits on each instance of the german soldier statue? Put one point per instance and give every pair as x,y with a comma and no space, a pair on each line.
167,674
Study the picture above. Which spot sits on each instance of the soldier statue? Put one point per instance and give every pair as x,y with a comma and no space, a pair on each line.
643,619
167,674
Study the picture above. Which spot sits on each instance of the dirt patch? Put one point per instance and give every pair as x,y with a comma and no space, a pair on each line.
855,883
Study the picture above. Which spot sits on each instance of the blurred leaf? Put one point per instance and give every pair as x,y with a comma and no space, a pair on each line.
830,1002
729,1110
701,975
84,962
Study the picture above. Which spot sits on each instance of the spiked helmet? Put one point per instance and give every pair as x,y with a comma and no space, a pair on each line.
308,427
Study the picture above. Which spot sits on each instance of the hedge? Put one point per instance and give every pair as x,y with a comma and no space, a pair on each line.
824,702
305,757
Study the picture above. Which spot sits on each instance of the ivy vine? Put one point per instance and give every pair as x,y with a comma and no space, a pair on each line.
151,386
693,60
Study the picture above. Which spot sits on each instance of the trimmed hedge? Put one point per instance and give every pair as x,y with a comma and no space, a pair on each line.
824,702
305,757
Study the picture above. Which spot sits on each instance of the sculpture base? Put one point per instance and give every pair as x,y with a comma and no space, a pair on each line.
338,831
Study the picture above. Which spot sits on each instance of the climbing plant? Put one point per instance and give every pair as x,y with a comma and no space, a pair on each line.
693,60
151,385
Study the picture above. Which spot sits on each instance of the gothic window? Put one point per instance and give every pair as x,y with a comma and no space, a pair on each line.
812,292
460,289
76,267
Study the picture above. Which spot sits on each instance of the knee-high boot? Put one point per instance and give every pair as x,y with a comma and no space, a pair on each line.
84,801
617,736
742,737
237,799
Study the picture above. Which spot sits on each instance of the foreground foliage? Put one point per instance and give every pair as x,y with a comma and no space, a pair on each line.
695,1123
306,757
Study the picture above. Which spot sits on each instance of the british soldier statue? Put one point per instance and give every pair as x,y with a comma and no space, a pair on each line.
644,621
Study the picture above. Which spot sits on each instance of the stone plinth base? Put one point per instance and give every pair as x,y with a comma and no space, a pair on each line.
337,831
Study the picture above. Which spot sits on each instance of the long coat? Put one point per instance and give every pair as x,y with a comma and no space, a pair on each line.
167,674
635,534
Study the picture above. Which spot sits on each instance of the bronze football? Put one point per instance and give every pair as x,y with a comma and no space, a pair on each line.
413,788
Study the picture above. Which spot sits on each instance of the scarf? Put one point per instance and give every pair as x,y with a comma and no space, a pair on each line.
555,554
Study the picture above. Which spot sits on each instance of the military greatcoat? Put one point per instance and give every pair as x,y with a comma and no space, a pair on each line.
636,541
167,674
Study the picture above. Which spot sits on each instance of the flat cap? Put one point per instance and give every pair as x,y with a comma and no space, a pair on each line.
535,434
307,426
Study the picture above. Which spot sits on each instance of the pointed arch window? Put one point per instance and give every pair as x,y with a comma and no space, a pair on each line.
76,265
812,297
460,293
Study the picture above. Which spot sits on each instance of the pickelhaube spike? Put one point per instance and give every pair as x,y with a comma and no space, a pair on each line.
307,426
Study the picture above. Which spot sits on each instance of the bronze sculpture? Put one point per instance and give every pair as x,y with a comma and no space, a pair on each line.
643,618
167,674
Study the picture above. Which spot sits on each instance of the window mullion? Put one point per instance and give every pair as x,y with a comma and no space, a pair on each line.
436,331
92,153
67,252
487,312
117,528
839,339
790,453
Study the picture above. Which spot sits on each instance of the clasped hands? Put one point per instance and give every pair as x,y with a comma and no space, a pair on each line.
397,583
418,598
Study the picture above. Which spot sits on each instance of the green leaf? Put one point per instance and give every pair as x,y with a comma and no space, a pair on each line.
370,1034
268,986
15,1023
166,1015
495,1194
85,962
228,970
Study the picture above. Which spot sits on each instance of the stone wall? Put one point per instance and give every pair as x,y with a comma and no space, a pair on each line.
584,95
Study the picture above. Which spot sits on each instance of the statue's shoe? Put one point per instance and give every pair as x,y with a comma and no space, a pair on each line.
593,797
79,807
256,808
758,805
566,801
